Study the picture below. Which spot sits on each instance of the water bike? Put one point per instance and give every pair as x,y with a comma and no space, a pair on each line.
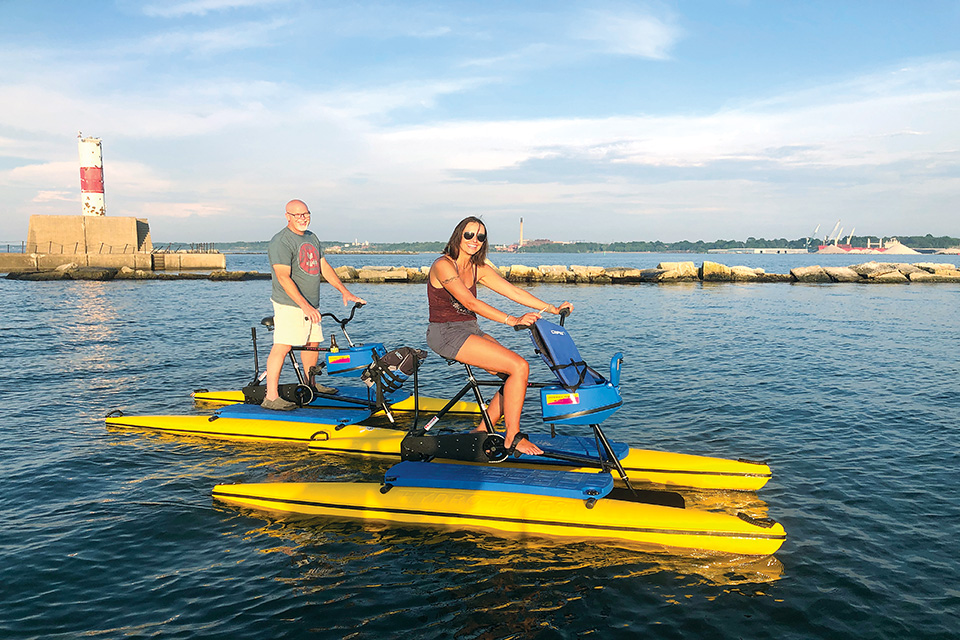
579,500
345,430
340,363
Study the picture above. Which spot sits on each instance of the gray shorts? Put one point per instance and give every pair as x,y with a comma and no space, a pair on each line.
446,338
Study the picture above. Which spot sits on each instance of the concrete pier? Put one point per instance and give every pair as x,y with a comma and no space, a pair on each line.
111,242
157,261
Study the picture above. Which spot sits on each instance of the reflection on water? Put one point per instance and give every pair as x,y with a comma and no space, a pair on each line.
484,585
309,540
88,320
730,502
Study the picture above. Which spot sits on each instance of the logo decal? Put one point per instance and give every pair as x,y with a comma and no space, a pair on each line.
338,359
563,398
309,258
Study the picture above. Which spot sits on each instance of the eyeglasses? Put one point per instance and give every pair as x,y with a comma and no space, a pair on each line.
468,235
299,216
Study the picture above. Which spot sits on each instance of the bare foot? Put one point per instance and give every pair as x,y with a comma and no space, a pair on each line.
527,447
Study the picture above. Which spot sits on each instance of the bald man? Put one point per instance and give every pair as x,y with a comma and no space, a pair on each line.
297,263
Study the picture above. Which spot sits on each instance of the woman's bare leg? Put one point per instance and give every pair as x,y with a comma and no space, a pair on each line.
495,408
493,356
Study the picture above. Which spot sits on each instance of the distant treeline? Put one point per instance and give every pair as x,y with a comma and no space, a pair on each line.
685,246
638,246
656,246
386,247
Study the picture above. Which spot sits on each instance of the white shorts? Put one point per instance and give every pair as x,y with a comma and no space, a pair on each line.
292,328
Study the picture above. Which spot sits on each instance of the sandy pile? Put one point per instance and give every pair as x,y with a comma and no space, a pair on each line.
897,247
893,246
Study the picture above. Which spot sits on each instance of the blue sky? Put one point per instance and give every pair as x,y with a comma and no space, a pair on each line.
597,121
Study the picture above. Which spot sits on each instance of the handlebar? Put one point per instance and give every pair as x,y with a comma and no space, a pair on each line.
268,321
563,313
343,323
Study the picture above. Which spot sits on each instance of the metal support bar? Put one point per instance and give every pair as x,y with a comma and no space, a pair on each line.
612,457
256,358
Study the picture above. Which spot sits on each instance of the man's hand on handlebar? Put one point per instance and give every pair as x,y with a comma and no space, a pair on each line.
349,297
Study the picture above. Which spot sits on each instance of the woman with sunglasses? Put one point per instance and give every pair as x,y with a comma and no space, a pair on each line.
454,334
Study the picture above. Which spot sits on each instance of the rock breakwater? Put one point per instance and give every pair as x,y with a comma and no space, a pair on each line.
664,273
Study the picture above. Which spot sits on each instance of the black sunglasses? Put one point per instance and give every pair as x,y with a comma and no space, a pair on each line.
468,235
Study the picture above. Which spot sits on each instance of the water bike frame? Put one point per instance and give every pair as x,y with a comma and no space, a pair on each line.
593,397
347,362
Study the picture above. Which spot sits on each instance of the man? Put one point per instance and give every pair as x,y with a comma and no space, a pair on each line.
297,263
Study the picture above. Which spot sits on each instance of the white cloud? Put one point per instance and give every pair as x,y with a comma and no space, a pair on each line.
522,57
374,103
50,174
644,36
56,196
180,210
135,177
235,37
200,7
184,111
849,129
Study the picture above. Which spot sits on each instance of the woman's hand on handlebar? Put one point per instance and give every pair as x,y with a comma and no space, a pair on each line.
565,309
527,319
530,317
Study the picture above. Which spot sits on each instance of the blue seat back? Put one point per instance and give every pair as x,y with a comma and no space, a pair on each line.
560,353
583,396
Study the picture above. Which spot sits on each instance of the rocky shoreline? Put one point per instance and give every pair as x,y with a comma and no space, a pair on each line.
664,273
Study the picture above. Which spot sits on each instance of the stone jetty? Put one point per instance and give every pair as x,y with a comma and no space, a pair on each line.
664,273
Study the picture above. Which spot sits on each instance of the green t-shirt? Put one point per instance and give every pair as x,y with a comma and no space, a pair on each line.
302,254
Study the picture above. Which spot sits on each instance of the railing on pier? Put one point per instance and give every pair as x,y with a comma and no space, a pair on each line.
55,247
193,247
103,248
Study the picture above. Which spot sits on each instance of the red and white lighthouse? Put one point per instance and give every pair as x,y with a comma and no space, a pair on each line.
91,177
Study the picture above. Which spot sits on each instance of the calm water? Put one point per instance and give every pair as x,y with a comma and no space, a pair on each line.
849,392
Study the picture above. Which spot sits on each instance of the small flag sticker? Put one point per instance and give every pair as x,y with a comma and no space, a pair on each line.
563,398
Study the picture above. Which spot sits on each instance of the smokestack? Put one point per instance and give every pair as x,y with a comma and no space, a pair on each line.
91,177
520,244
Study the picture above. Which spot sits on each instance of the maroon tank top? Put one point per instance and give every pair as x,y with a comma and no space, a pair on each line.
445,308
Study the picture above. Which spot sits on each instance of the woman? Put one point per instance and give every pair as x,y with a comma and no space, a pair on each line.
453,332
